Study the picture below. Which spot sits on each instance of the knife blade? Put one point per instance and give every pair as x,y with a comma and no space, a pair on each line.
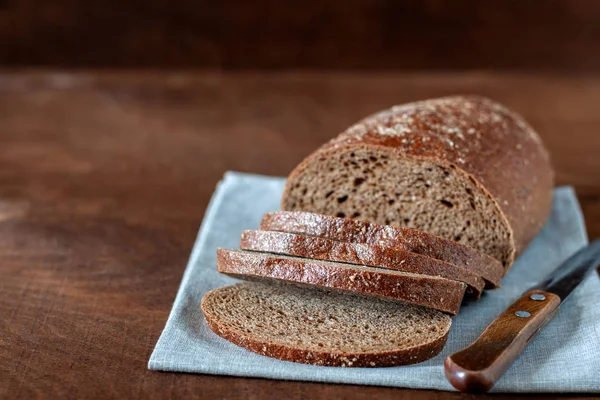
479,366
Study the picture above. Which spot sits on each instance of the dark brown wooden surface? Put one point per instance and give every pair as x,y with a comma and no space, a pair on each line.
104,179
331,34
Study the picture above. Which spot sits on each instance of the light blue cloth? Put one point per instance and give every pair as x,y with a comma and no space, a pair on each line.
564,357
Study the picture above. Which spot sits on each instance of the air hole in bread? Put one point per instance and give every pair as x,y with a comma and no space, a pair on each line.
342,199
447,203
358,181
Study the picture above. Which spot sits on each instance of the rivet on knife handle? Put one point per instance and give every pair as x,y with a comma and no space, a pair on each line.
477,367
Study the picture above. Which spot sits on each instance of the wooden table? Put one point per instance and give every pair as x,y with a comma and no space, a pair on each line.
104,179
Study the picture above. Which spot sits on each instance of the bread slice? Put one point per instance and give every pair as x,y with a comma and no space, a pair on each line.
357,253
428,291
355,231
464,168
321,328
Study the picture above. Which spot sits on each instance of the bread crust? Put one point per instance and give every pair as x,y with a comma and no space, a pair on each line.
480,138
407,239
358,253
411,355
422,290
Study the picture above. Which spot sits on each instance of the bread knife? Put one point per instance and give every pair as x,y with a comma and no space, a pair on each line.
477,367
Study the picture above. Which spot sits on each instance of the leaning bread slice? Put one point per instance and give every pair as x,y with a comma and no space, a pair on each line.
359,253
350,230
321,328
428,291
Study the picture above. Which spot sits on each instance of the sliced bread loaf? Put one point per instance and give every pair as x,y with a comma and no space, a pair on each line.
321,328
355,231
464,168
358,253
428,291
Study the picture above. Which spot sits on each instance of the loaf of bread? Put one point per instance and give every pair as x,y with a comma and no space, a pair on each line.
373,255
321,328
423,290
463,168
384,230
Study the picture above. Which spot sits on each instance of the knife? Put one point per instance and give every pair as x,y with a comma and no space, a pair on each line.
477,367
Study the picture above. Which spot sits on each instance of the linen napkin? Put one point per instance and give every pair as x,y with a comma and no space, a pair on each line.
564,357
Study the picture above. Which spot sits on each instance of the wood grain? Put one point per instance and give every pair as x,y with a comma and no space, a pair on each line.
104,179
478,367
318,34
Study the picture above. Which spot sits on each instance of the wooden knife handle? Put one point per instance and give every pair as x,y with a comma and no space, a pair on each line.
477,367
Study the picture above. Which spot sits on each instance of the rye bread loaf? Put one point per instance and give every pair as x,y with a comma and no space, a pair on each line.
358,253
312,327
427,291
355,231
465,168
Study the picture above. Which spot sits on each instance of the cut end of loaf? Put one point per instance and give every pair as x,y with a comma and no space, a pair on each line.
380,185
323,328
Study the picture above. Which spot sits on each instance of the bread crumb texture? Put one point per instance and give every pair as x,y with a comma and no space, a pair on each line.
324,328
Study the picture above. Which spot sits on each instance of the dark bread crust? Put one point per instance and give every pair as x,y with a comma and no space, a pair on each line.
412,240
427,291
488,143
358,253
412,355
